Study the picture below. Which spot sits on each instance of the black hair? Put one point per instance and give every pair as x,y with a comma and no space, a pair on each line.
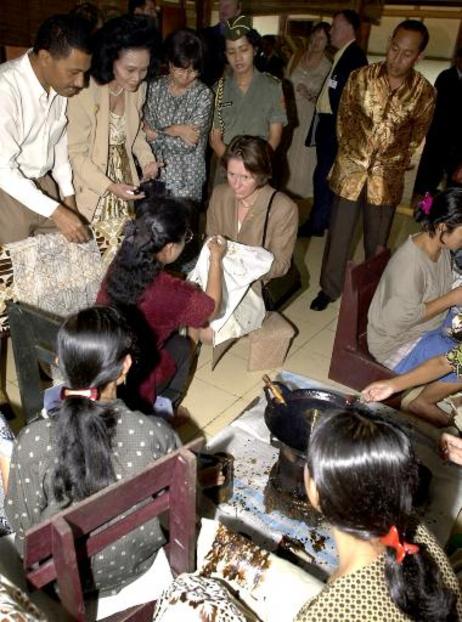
185,49
445,208
324,26
366,474
60,34
126,32
91,13
135,4
352,17
415,25
272,39
159,221
253,37
91,348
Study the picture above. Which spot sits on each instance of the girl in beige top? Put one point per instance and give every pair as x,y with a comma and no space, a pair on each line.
362,476
104,122
408,316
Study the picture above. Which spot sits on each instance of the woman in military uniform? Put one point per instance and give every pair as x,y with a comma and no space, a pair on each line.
246,101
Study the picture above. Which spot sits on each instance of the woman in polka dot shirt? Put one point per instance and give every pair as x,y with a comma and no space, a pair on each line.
90,442
362,476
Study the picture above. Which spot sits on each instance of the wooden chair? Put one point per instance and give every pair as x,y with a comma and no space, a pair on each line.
56,548
33,337
351,364
108,236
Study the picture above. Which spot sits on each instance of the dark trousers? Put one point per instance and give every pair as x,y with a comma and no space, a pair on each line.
377,221
183,351
326,150
431,166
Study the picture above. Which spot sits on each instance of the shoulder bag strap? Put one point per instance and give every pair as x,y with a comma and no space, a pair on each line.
265,227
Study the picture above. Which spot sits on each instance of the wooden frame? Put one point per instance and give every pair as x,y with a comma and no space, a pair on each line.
55,548
33,337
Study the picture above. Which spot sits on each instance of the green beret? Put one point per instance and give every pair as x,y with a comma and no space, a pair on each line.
237,27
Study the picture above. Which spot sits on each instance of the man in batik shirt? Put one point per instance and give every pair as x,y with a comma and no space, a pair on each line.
384,114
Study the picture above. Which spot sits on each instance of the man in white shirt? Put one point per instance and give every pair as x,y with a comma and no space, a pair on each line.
34,161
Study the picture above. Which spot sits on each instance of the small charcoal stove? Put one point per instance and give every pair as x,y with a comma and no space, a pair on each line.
290,426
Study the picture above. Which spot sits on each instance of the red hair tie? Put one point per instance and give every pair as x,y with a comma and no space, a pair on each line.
391,539
92,393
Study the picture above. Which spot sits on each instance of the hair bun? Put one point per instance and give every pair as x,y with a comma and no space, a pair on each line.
153,188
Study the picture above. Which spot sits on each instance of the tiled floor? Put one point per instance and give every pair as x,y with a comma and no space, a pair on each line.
217,397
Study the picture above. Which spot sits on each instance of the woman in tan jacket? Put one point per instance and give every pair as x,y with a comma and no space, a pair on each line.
105,122
239,209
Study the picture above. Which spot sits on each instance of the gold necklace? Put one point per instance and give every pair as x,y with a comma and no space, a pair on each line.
116,94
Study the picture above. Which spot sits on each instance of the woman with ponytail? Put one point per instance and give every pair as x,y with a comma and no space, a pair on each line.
92,441
156,303
408,318
362,476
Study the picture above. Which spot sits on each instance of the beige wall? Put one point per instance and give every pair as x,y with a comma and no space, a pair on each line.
443,36
443,31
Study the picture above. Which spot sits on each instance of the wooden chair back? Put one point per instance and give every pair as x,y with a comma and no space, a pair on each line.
351,363
55,549
33,337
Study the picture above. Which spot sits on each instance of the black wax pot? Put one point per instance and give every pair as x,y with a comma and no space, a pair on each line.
290,425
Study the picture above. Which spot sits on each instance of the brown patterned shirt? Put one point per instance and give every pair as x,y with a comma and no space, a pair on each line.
363,596
378,130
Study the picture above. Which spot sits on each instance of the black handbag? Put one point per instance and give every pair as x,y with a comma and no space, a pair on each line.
277,291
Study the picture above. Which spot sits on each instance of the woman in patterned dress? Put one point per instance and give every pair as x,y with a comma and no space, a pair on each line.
104,129
91,441
177,117
307,74
6,447
362,476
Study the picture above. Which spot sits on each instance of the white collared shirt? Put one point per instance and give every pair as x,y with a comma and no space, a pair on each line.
33,137
323,102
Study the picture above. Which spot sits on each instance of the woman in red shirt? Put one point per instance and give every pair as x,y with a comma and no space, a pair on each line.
156,303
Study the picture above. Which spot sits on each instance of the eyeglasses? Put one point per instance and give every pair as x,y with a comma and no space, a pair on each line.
188,236
189,71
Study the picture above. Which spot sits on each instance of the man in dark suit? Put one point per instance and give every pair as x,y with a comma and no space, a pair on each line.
214,39
349,56
442,154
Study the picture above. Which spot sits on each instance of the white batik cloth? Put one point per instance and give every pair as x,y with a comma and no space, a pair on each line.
55,275
242,310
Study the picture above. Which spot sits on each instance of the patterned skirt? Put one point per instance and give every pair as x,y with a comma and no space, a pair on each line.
109,206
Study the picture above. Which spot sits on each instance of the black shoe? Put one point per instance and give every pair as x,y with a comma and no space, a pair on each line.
308,231
320,302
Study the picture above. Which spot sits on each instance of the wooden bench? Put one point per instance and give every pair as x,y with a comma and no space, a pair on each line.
351,363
